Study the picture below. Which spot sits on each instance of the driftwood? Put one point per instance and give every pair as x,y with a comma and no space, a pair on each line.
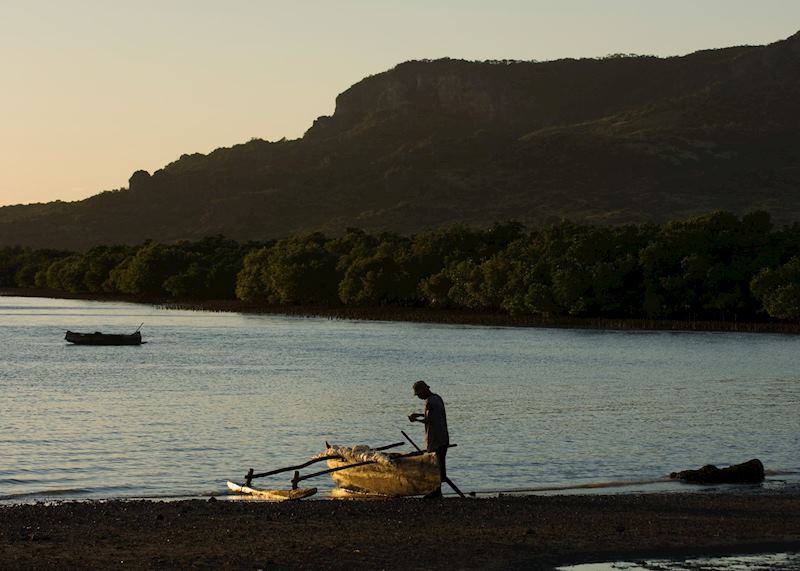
750,472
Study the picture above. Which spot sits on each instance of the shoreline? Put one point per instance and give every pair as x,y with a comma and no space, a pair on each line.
508,532
423,315
534,531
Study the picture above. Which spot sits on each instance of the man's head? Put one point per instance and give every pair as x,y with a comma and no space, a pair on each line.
421,389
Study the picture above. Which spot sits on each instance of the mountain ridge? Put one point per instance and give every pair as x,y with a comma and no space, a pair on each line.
437,142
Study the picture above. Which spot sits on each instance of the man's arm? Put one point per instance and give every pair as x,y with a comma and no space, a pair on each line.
416,417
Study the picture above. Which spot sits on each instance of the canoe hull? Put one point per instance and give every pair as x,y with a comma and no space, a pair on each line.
98,338
411,476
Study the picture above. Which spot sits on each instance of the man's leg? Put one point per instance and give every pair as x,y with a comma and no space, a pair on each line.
441,453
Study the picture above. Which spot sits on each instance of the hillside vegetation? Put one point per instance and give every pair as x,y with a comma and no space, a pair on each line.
431,143
714,267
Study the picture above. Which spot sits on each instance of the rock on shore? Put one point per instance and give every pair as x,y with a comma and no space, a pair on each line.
750,472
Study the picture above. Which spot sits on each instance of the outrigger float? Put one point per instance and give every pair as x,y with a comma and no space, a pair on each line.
358,470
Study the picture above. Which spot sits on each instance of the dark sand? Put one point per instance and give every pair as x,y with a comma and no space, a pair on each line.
524,532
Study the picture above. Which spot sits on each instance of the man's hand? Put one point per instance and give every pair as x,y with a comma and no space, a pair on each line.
415,416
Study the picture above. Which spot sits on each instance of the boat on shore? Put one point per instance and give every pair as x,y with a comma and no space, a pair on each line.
98,338
365,470
357,470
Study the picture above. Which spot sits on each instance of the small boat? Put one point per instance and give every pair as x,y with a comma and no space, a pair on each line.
359,470
98,338
275,495
382,473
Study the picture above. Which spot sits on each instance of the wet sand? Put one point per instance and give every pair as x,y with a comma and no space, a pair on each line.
523,532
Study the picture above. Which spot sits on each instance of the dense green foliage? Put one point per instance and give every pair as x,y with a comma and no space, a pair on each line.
717,267
205,269
20,266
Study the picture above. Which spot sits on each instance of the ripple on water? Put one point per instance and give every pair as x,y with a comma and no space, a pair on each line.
212,395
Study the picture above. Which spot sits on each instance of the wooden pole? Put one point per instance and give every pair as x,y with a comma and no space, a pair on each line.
249,477
403,432
452,485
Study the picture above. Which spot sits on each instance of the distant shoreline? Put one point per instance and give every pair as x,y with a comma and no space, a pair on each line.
423,315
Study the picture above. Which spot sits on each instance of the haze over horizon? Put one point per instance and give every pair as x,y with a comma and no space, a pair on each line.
94,91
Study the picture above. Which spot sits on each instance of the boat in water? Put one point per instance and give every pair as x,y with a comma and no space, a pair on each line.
98,338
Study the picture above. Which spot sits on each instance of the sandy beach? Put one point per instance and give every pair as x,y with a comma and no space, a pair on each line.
522,532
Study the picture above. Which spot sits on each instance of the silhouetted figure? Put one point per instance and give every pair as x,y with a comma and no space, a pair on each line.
437,438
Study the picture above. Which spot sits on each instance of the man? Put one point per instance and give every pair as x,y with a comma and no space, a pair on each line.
436,437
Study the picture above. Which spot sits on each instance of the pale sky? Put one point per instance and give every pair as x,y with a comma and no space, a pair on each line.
93,90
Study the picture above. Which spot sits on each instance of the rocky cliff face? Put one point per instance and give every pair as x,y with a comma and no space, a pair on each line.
622,139
526,96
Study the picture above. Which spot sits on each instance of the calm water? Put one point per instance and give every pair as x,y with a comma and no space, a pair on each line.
213,394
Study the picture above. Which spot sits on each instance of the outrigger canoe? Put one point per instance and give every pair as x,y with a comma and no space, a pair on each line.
383,473
358,470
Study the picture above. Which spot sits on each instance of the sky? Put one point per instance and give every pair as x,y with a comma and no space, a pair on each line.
93,90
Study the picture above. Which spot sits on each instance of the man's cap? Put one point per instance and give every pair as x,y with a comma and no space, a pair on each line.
419,385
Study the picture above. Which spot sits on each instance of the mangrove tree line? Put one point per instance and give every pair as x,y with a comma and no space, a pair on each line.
717,266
